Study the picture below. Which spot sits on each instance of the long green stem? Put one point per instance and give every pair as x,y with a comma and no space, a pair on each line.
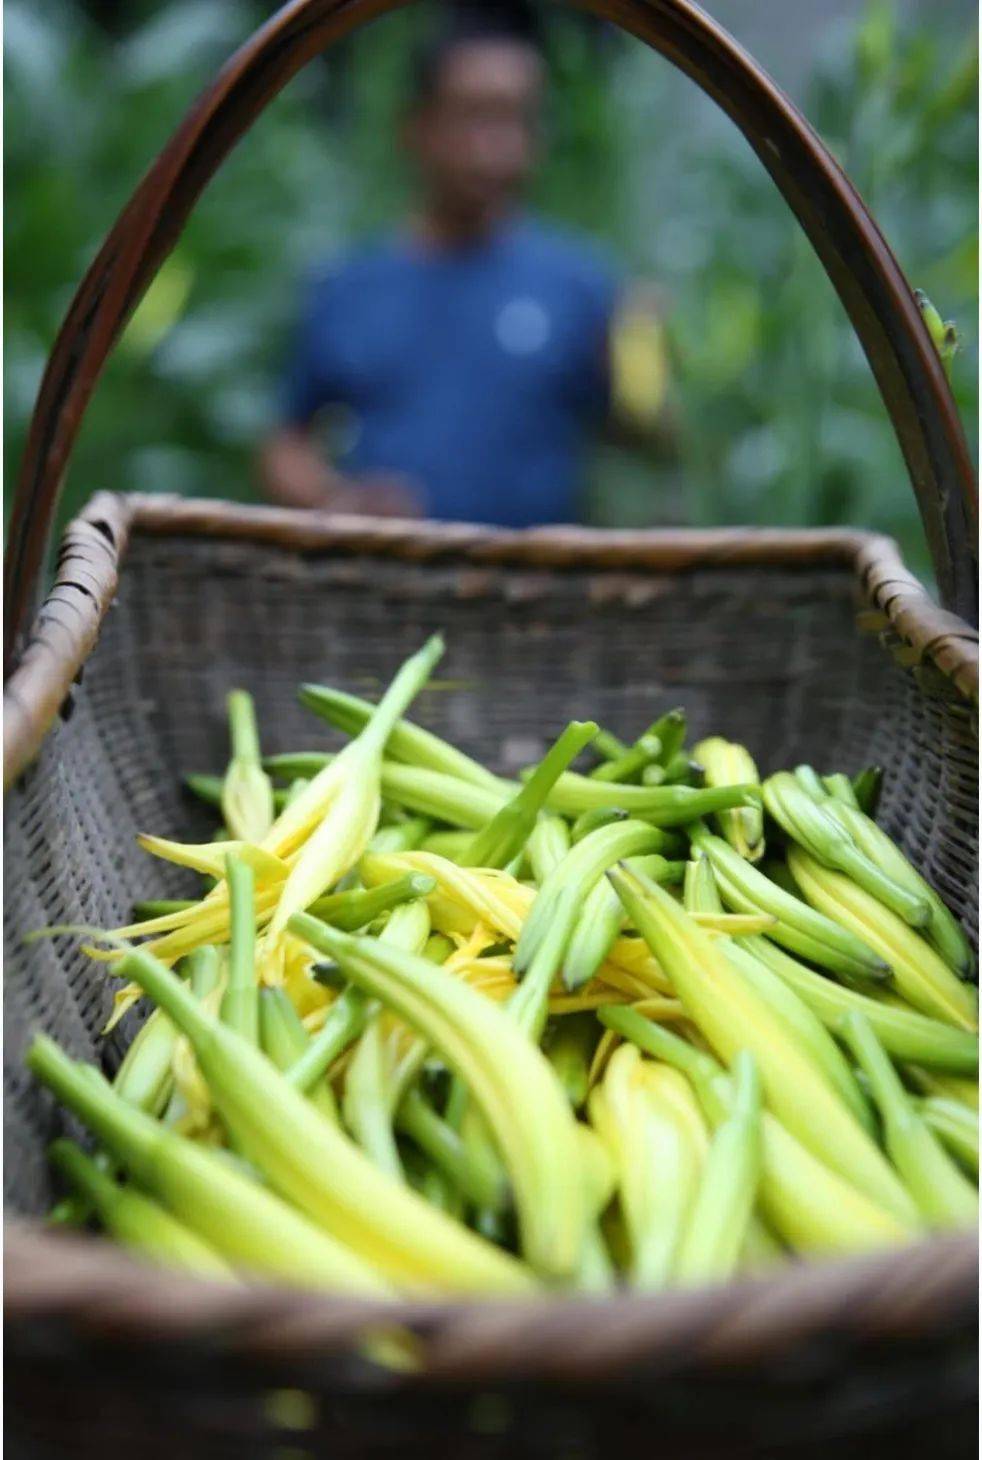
407,742
720,1218
478,1179
939,1188
662,805
509,830
359,906
247,793
450,844
600,920
840,786
243,1220
243,731
344,1023
145,1078
806,1028
400,694
240,1001
134,1219
559,899
144,911
701,895
904,1033
609,745
569,1049
670,730
629,765
204,971
429,793
955,1126
286,1041
402,836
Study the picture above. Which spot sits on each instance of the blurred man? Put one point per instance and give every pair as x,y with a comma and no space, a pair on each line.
471,350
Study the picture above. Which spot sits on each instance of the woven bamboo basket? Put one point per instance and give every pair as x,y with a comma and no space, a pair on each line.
810,645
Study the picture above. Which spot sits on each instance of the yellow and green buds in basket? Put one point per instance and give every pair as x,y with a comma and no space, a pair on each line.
247,791
427,1028
727,764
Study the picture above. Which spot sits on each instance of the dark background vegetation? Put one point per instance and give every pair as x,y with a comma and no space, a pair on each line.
780,418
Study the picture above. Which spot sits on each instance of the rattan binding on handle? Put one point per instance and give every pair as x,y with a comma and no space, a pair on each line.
853,251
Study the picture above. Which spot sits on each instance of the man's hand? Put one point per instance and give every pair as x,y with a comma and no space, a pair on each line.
295,474
642,412
389,495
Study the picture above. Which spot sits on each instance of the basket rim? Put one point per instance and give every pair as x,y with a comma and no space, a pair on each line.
94,544
86,1286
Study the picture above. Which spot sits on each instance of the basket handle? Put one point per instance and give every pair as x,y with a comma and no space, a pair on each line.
856,257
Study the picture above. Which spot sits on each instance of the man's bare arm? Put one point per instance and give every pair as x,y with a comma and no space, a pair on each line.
294,473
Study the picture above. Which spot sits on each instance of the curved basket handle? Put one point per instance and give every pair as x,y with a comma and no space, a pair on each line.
856,257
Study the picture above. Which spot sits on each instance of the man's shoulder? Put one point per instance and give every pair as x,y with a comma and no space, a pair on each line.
565,253
352,267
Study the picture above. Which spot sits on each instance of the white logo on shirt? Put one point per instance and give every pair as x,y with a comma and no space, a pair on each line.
522,326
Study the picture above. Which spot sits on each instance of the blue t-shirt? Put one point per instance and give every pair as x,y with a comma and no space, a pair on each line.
477,373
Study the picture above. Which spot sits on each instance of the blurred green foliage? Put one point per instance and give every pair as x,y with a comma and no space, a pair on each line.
781,422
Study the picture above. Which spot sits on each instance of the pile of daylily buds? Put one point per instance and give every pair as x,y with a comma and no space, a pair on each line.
426,1029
